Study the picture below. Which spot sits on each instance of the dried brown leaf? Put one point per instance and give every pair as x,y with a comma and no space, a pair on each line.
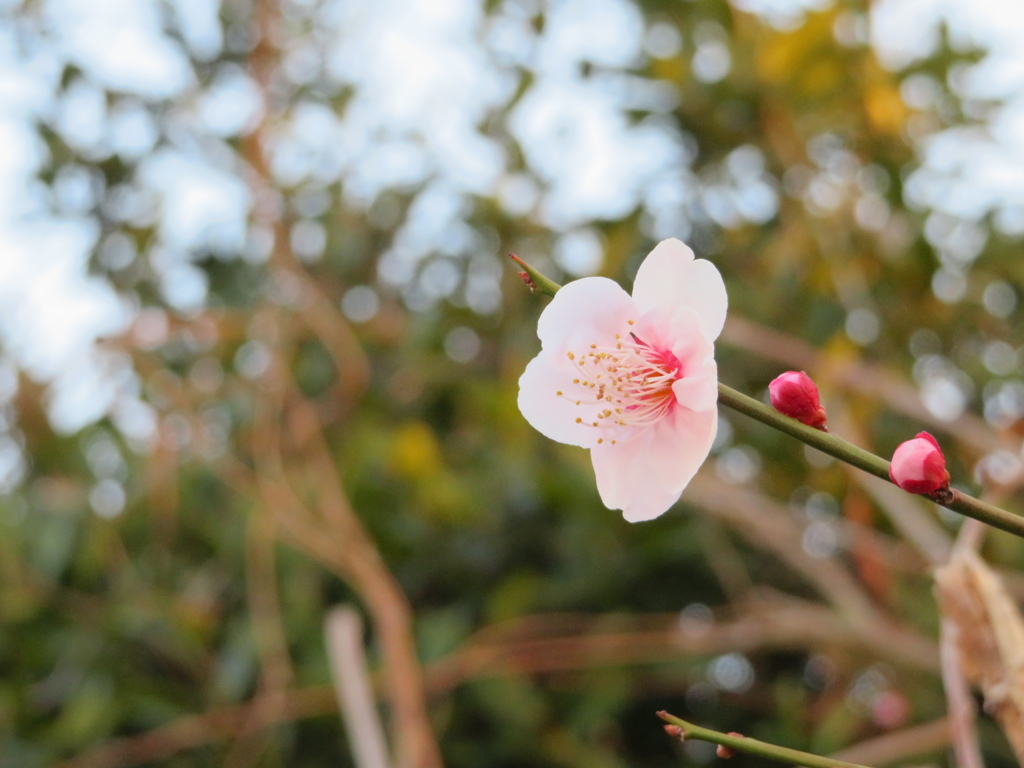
990,637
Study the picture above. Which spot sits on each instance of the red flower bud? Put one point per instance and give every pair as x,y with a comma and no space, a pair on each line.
918,466
794,394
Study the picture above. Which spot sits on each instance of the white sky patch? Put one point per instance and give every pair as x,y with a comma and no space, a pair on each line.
573,131
50,309
782,13
120,43
201,206
82,116
903,31
604,32
230,104
26,81
906,30
51,315
967,171
401,60
52,312
199,23
85,391
419,70
581,144
20,154
425,75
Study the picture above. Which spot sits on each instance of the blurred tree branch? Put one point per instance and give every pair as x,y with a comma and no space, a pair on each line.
350,551
547,644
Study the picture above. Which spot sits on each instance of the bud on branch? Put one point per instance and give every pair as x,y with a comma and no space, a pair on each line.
794,394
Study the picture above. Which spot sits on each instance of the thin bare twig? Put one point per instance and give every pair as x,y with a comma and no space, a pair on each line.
767,525
908,515
959,703
343,629
387,604
348,549
193,731
540,644
265,605
899,746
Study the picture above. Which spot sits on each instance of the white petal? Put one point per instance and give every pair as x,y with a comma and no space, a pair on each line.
645,476
584,312
697,389
670,278
551,414
698,392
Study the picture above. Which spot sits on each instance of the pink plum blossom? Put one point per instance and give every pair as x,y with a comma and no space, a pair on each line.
796,395
918,465
633,378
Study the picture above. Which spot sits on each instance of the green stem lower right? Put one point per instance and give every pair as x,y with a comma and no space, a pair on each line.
753,746
865,460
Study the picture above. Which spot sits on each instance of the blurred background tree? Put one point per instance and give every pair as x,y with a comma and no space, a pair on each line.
260,348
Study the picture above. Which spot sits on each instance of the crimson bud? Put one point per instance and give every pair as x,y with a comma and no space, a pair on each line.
918,466
794,394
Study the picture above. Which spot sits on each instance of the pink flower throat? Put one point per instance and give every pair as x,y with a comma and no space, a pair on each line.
632,379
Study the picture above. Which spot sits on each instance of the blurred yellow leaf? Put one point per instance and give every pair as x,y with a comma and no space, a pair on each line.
885,108
415,453
676,69
783,56
824,76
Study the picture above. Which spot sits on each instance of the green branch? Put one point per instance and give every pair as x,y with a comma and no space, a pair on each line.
823,441
537,281
684,730
826,442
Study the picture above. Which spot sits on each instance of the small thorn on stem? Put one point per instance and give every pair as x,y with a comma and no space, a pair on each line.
529,282
675,732
524,276
725,752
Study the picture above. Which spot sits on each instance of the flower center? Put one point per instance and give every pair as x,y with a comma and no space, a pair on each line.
631,380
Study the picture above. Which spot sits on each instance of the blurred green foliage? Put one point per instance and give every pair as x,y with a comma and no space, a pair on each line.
113,624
